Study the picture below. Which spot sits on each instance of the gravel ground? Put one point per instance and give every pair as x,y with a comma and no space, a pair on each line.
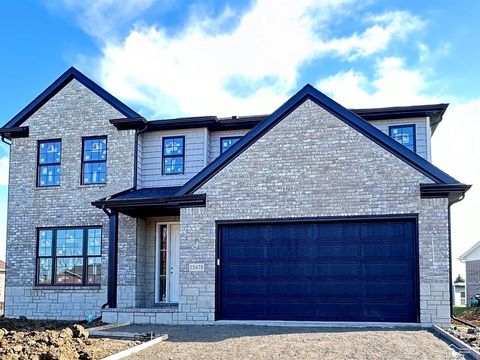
256,342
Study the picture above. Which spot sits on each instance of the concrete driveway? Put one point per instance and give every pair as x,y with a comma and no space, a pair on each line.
256,342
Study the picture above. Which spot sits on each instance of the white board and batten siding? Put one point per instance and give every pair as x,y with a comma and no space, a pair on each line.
196,152
422,135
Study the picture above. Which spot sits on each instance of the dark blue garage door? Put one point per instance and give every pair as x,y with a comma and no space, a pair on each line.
323,271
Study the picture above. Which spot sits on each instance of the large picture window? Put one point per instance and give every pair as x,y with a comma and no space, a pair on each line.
94,160
404,134
49,163
173,155
69,256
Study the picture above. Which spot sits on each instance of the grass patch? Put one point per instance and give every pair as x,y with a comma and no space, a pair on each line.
457,310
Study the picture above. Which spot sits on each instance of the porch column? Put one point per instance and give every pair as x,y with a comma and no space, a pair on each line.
112,258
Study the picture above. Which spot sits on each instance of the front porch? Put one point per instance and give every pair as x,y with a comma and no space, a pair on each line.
144,256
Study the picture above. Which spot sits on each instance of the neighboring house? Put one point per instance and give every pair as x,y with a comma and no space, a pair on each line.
459,298
310,213
471,258
2,285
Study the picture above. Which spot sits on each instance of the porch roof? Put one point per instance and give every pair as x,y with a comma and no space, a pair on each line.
147,202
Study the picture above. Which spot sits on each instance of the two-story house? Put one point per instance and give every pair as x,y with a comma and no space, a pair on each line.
312,213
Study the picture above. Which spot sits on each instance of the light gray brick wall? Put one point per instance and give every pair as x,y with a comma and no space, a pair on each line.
71,114
311,165
472,279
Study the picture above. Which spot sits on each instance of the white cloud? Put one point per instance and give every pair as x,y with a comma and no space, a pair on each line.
393,83
4,170
101,18
455,148
202,70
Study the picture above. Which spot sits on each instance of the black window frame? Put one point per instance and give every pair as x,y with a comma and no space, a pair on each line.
83,161
413,126
164,156
39,166
53,256
228,138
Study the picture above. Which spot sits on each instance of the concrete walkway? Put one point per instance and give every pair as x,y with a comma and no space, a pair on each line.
259,342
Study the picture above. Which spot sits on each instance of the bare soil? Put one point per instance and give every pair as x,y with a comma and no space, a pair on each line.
22,339
257,342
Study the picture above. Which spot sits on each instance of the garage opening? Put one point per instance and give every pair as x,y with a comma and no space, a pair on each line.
342,270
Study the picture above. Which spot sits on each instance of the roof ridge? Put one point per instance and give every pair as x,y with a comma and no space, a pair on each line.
342,113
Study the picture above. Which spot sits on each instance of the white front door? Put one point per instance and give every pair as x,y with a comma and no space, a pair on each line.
167,263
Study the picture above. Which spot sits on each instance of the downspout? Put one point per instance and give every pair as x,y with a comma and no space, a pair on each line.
4,141
9,144
452,316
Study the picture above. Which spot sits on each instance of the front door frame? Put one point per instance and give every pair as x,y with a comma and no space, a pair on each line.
158,226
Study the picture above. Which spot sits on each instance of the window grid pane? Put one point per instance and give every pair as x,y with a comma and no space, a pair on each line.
45,243
94,173
226,143
405,135
44,271
49,152
94,242
95,149
69,271
94,270
49,175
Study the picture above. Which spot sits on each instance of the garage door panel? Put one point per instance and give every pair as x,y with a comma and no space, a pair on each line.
245,289
326,271
338,290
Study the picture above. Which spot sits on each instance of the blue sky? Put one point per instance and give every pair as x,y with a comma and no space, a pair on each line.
169,58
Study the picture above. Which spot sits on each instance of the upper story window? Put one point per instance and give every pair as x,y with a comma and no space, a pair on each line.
404,134
226,142
49,163
94,160
69,256
173,155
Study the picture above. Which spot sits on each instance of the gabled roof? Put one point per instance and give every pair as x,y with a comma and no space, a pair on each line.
464,257
58,85
345,115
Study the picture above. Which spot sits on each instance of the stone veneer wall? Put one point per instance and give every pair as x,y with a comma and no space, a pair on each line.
311,165
72,113
472,279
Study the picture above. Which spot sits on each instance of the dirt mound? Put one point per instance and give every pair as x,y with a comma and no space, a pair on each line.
44,345
29,339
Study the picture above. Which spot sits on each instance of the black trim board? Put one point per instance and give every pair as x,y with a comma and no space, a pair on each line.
14,132
58,85
308,92
354,218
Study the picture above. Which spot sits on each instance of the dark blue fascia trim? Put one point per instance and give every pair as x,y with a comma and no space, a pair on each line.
59,84
356,122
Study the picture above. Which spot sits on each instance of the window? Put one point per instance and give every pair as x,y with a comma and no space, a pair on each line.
404,134
462,294
226,142
94,160
173,156
69,256
48,164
